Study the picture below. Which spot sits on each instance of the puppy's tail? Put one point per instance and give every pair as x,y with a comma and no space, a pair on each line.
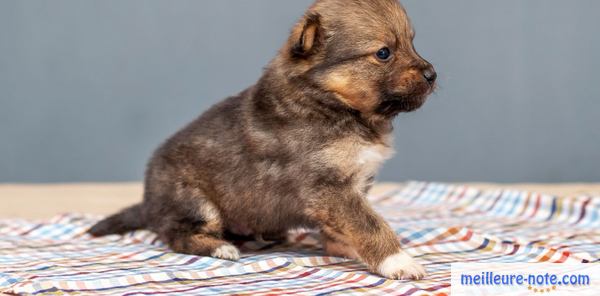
127,220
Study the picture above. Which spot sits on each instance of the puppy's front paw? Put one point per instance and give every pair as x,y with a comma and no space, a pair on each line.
401,266
226,252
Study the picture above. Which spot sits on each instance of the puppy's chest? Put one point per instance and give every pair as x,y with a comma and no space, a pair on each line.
358,158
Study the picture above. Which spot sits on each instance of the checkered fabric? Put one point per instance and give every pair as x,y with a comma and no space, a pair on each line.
437,223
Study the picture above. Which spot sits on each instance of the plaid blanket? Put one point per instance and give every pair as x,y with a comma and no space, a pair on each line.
437,223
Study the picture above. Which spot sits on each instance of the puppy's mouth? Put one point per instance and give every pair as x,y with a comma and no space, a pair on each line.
394,104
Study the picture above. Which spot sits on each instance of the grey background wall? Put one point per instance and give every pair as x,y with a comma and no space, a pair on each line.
89,88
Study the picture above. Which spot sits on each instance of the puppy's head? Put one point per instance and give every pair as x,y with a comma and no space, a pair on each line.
362,52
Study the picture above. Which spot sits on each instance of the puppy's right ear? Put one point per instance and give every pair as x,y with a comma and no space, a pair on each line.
307,36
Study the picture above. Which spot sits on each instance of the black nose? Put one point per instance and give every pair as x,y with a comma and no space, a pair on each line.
430,74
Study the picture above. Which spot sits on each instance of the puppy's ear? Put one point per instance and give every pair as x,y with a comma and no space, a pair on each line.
306,38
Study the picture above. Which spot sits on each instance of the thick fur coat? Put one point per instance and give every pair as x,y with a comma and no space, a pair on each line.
298,149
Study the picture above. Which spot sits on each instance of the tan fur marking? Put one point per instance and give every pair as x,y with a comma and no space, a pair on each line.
356,94
209,212
309,37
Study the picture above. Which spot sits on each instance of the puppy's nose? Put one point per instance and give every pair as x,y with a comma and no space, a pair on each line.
430,74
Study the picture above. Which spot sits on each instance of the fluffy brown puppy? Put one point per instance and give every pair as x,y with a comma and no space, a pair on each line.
298,149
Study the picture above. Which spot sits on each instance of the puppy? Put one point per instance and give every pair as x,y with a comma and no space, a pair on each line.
298,149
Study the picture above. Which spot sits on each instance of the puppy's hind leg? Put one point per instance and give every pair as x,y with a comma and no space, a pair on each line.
204,245
200,235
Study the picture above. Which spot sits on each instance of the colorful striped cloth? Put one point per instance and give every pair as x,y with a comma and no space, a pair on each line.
437,223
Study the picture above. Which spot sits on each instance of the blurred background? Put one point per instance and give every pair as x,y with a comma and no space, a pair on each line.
89,88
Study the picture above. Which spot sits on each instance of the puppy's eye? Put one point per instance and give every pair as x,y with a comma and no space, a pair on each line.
384,54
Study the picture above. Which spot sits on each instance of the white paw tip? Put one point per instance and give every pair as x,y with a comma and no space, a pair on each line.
401,266
226,252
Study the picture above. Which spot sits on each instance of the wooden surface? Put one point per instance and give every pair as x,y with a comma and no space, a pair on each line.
46,201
